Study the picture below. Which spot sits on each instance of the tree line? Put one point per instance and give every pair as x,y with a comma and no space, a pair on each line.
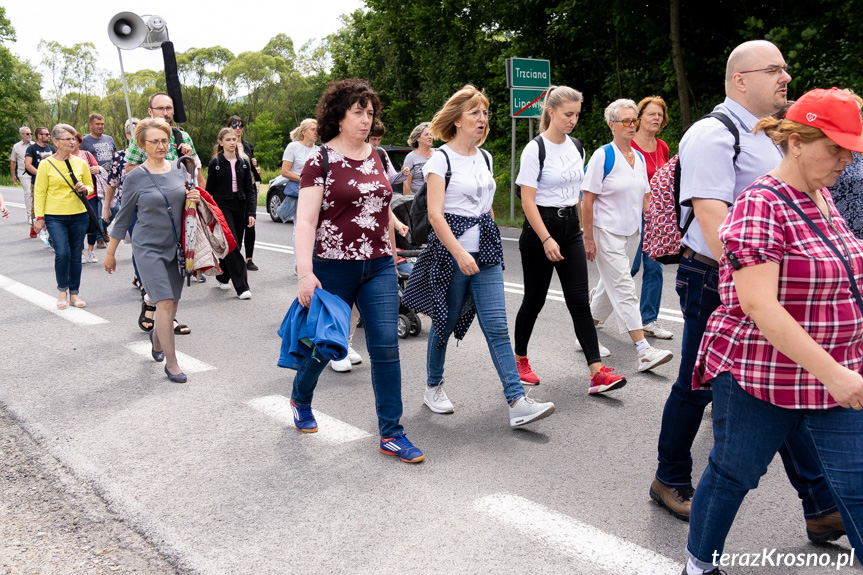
416,54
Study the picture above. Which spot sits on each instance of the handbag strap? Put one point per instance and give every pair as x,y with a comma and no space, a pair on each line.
167,204
823,237
71,174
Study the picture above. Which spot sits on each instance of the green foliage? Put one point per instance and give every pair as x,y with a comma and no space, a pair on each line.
269,141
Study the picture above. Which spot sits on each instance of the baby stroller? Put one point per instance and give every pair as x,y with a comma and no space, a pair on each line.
409,321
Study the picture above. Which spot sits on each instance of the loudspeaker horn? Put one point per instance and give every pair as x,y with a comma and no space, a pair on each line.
127,30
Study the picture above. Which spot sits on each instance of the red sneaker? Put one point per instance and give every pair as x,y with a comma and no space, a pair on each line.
528,377
605,380
33,233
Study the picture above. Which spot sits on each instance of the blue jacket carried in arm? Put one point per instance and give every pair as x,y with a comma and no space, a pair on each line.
325,325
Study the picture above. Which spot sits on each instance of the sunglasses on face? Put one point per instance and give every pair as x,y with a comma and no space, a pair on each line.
629,122
237,125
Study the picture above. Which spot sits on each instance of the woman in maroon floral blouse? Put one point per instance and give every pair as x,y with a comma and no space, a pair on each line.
343,216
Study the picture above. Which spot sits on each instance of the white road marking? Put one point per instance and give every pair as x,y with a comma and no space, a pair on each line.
574,538
49,303
187,363
330,429
274,247
15,204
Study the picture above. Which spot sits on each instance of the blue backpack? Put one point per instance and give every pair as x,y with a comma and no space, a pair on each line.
609,159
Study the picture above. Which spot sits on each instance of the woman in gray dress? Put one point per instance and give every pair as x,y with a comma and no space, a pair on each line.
149,190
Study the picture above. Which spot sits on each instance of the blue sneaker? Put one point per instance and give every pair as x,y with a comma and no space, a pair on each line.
304,419
401,446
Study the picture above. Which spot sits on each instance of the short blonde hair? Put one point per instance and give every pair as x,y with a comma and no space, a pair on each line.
297,133
416,133
148,124
780,131
443,124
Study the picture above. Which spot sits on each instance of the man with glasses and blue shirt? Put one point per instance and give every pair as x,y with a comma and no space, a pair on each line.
713,174
162,106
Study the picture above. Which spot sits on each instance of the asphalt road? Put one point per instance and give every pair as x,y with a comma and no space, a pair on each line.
214,479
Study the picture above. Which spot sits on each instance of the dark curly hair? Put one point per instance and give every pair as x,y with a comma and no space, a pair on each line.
337,99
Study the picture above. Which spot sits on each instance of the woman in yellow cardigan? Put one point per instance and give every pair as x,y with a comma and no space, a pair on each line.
58,207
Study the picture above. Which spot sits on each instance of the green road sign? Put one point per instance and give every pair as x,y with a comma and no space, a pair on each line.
528,73
526,102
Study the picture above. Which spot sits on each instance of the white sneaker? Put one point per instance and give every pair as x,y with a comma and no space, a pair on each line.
653,329
436,400
353,356
223,286
245,295
91,257
527,410
653,357
603,351
341,365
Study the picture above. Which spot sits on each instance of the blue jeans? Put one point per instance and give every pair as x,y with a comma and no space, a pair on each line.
748,432
486,290
697,286
651,283
67,238
373,286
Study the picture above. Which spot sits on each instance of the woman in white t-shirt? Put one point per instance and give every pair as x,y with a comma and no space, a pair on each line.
421,140
460,273
303,139
615,195
552,239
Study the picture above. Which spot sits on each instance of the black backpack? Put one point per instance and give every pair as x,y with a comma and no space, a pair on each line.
420,210
539,142
384,161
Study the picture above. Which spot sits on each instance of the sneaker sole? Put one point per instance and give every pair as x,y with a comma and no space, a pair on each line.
658,500
339,370
530,383
521,421
414,460
657,363
437,410
315,430
594,390
662,336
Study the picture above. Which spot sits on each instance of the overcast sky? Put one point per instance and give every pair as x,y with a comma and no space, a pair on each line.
240,26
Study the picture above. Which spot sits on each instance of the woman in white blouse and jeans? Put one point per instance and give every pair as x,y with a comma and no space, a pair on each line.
460,273
615,195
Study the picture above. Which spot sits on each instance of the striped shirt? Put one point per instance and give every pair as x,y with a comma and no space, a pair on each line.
813,287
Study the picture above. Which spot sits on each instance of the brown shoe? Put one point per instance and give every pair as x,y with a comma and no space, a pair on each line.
678,500
827,528
100,245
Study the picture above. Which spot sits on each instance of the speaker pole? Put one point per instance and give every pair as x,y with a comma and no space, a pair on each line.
125,87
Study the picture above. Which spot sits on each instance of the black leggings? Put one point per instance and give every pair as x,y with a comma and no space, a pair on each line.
572,271
234,266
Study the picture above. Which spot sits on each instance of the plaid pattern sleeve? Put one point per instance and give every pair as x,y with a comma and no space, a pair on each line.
814,289
134,154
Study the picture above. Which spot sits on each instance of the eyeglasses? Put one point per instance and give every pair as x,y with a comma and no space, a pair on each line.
65,139
770,70
237,125
163,109
25,133
159,143
476,113
629,122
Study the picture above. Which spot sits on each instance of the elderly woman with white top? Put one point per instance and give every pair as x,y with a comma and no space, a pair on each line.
615,195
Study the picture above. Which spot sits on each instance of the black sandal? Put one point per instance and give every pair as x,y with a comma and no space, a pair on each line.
181,329
143,319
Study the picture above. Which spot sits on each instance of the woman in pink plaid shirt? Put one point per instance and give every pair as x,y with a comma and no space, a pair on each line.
785,348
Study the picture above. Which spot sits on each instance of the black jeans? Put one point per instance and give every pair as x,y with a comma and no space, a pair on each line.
234,266
572,271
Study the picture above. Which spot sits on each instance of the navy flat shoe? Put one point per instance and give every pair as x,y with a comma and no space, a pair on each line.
179,378
157,355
